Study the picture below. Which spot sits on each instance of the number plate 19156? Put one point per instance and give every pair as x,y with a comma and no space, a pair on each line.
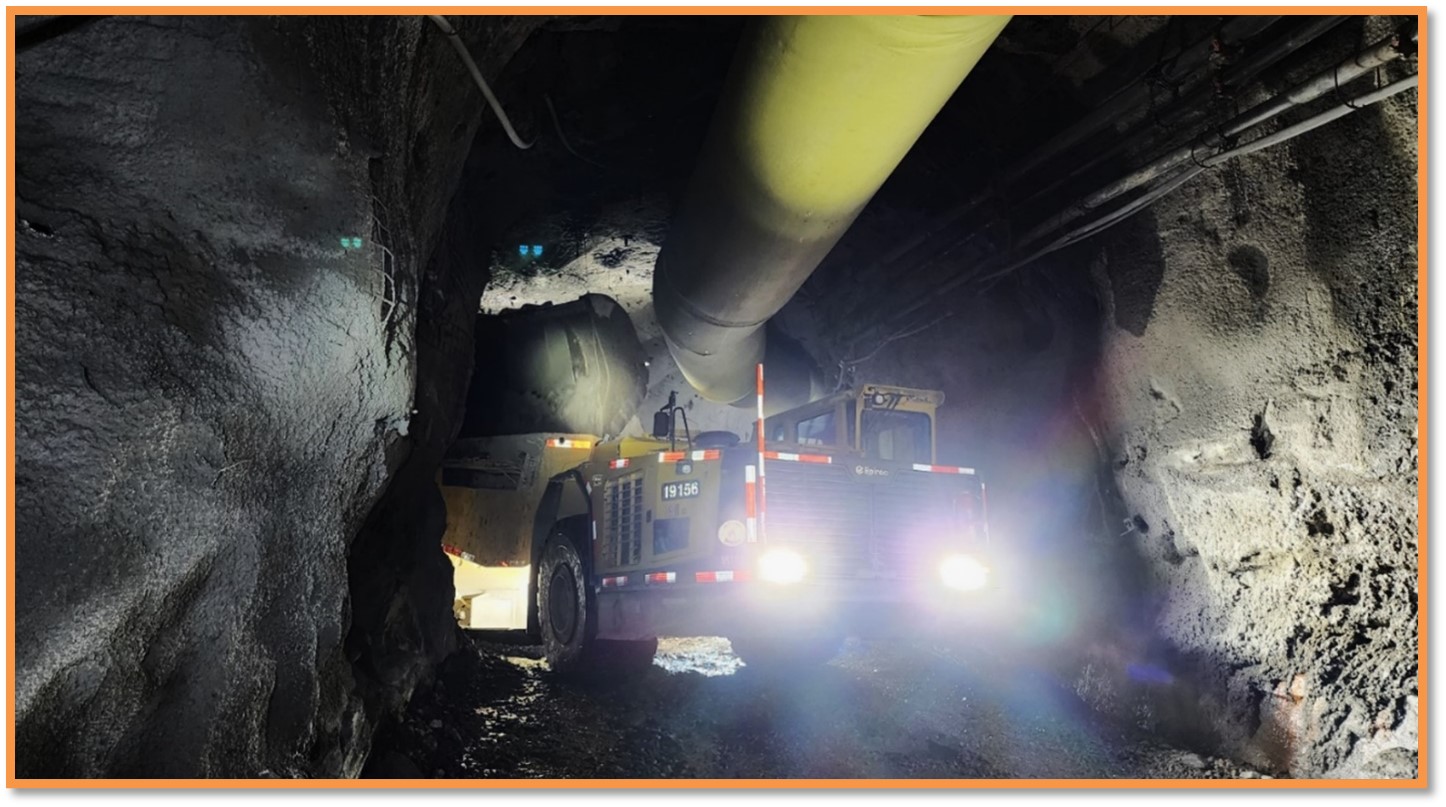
685,489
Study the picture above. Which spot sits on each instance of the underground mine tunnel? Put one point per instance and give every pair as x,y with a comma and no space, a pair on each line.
647,396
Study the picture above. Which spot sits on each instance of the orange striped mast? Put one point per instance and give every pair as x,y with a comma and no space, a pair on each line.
762,488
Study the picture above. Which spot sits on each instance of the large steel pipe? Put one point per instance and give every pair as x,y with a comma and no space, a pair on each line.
817,113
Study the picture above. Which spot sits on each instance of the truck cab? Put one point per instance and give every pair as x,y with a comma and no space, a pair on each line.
891,424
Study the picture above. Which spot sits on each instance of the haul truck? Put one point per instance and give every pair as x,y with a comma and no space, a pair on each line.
839,522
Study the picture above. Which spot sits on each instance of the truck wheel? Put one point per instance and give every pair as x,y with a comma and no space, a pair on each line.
784,652
564,613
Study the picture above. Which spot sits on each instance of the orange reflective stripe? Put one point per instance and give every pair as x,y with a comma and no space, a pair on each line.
821,459
720,577
458,552
943,469
696,456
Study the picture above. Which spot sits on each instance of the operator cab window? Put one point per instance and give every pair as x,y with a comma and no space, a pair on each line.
897,436
777,431
817,430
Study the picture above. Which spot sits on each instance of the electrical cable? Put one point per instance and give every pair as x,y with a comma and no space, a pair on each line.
492,101
1288,133
1355,66
1234,76
557,124
1167,186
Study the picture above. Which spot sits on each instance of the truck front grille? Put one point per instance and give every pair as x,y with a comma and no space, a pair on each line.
851,525
622,538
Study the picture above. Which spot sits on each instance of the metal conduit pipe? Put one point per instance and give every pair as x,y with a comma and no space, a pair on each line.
1164,188
1329,80
1183,67
1187,113
1167,187
818,111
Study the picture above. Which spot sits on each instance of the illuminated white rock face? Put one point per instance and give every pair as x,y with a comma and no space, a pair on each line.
1260,378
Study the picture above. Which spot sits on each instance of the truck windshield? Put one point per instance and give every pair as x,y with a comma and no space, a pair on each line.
817,430
896,435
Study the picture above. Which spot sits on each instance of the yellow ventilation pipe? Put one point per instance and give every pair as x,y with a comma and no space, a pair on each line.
817,112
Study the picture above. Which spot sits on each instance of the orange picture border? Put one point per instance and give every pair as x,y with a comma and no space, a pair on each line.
1421,780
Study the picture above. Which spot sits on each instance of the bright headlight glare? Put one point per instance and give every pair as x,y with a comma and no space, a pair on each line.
782,566
964,573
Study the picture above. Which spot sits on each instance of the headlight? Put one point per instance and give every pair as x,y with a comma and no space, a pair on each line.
782,566
964,573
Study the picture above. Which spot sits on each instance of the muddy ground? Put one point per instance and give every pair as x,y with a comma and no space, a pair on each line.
878,710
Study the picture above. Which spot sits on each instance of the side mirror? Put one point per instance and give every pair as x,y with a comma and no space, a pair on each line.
662,424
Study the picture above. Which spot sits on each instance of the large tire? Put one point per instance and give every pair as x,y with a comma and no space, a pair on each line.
567,618
566,613
783,652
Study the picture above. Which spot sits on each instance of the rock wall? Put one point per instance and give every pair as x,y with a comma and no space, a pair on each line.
442,168
1259,378
214,385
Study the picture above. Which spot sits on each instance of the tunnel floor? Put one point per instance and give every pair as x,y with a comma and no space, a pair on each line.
878,710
